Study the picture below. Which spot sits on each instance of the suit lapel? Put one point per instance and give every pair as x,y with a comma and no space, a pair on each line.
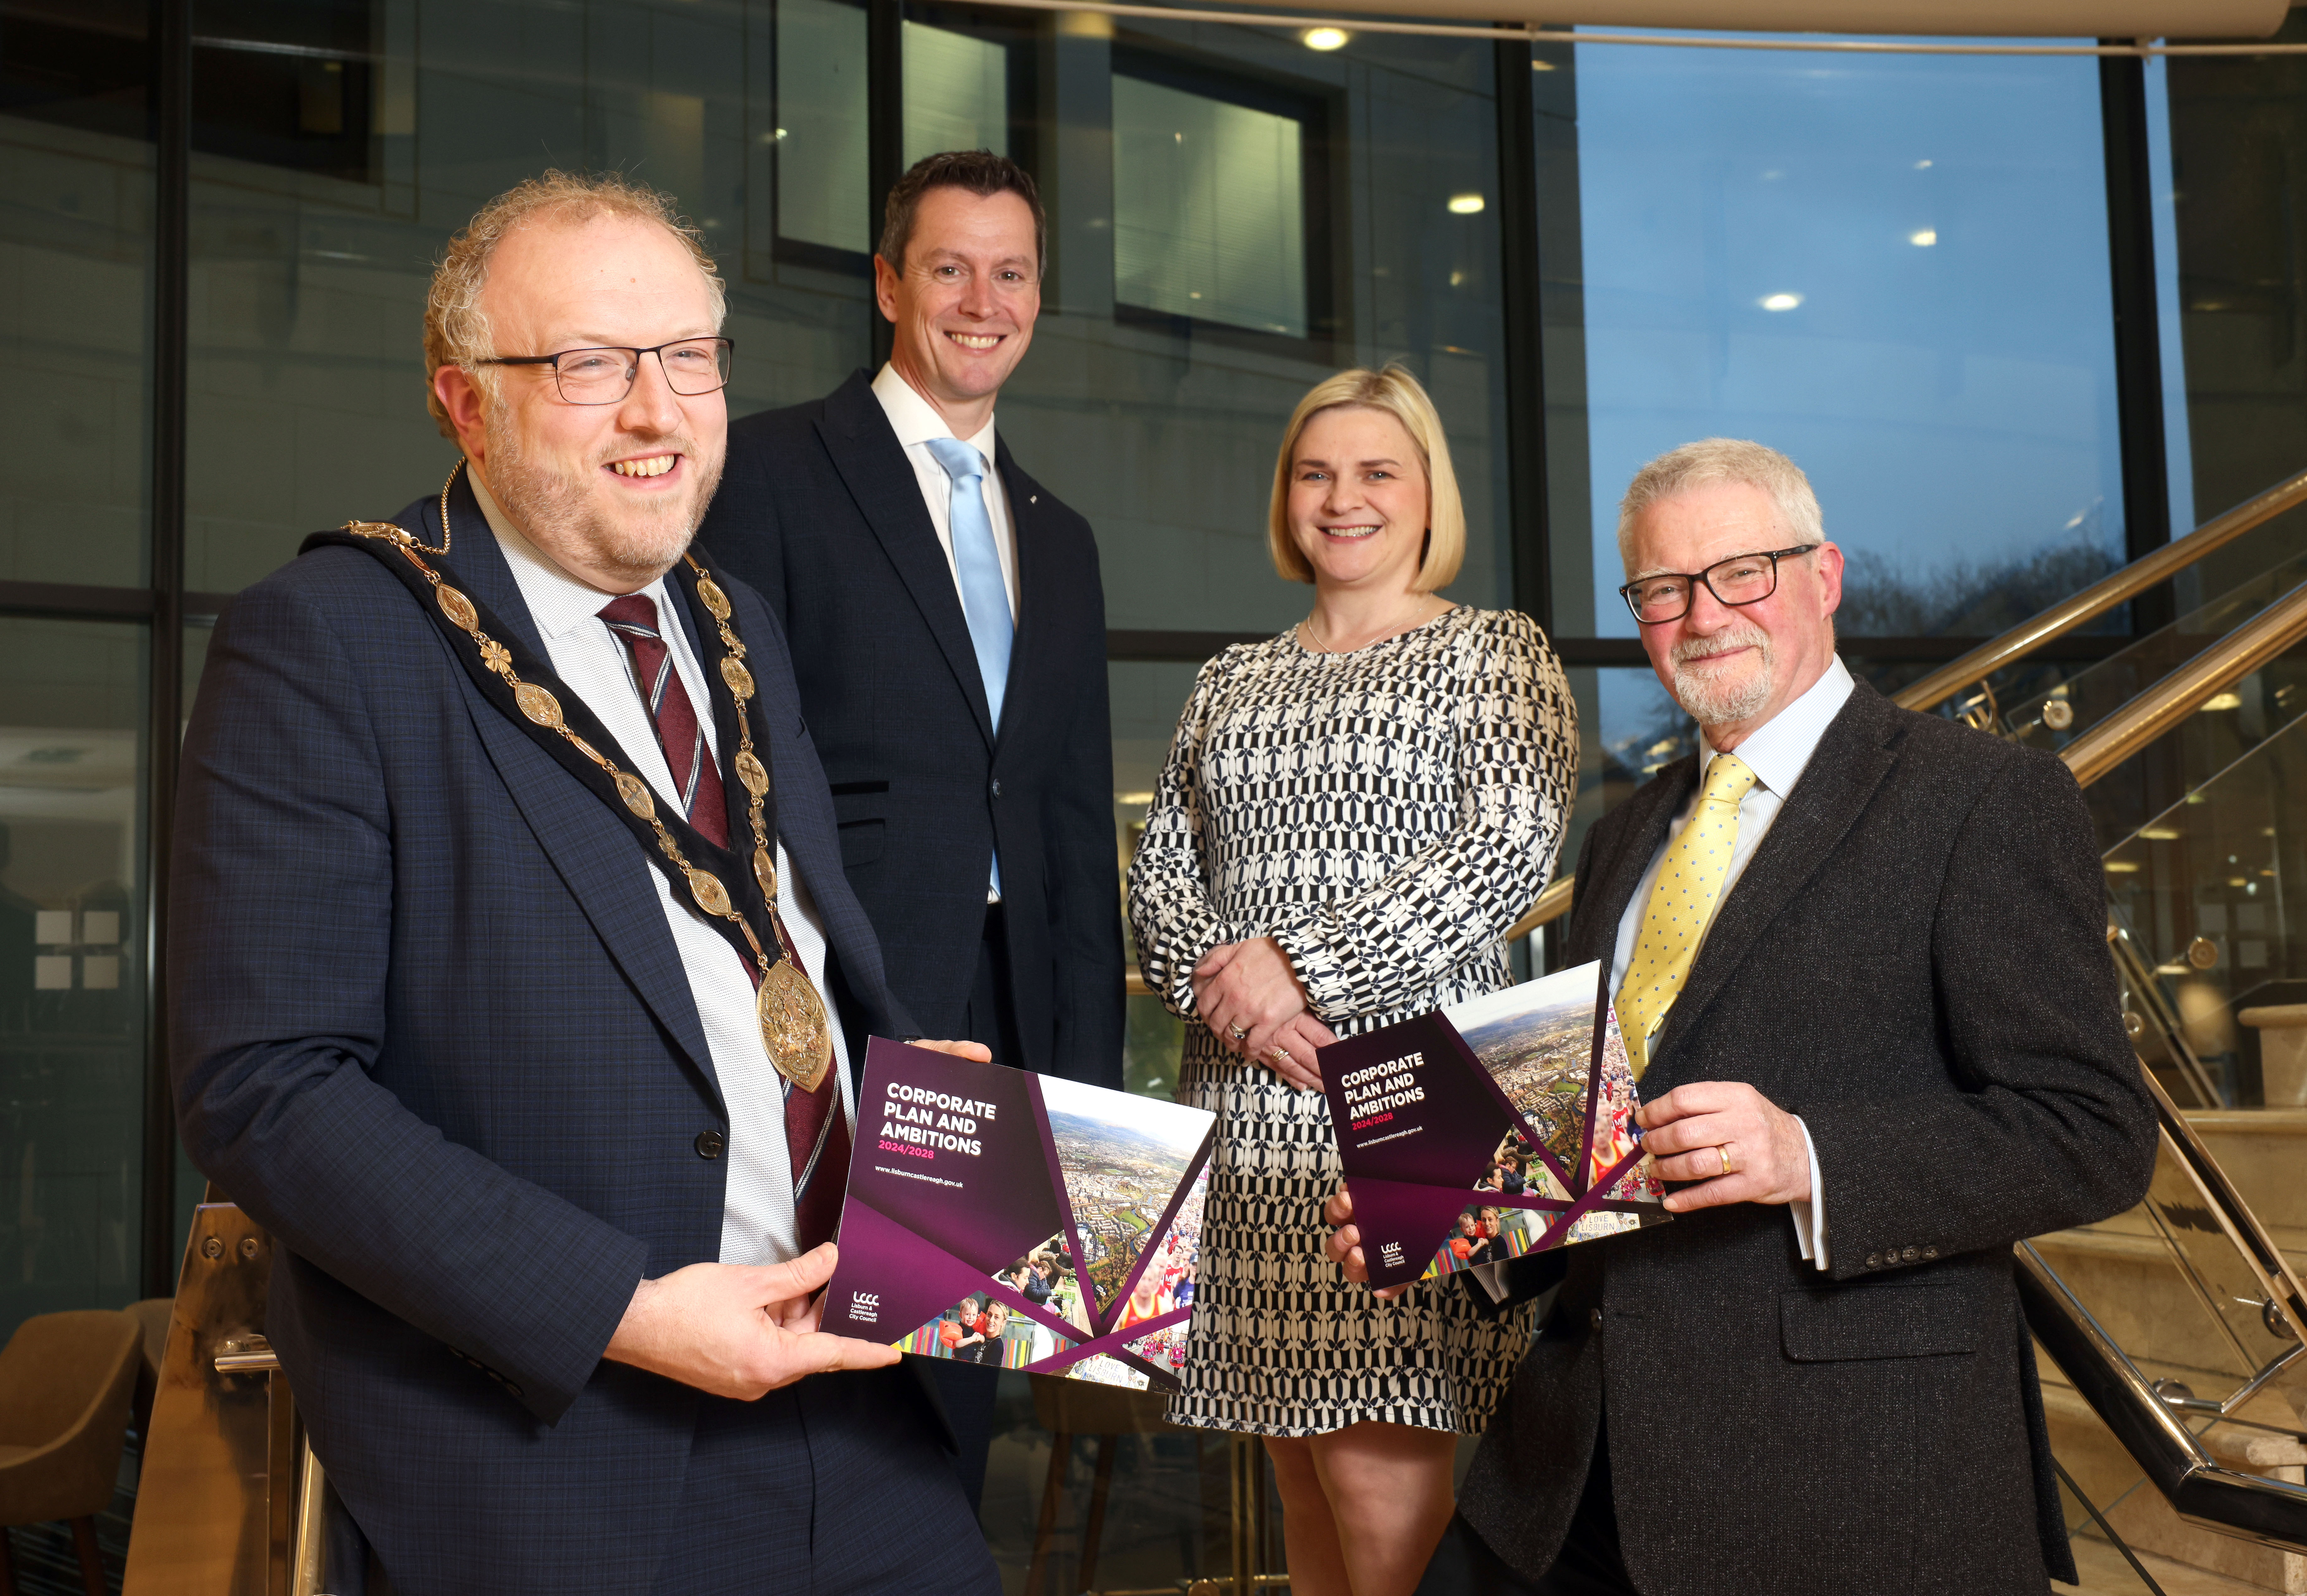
1649,813
1841,779
1025,524
880,480
591,847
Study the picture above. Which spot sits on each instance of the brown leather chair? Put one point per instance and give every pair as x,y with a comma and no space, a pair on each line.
65,1385
153,1313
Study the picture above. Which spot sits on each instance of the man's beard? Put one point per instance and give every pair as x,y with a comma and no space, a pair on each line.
552,506
1710,698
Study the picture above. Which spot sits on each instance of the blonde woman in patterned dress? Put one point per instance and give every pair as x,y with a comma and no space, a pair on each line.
1351,816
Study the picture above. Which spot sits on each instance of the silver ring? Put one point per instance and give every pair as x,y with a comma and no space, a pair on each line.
1237,1033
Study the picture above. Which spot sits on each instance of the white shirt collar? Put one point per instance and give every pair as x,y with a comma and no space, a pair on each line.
1780,749
557,601
915,420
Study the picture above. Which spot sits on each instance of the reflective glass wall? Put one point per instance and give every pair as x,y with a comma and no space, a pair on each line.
76,360
1894,268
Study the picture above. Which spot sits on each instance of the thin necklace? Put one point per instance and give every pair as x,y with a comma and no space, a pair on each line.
1323,643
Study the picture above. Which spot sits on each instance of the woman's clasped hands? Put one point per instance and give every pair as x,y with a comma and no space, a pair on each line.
1250,996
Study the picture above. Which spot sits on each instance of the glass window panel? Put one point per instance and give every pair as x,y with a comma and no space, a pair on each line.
2237,126
822,130
75,292
1895,270
1209,210
72,964
306,369
956,92
1147,698
1162,431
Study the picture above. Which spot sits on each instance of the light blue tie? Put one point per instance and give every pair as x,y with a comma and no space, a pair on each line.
984,600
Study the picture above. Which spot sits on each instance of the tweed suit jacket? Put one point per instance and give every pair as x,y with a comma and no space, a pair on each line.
821,510
430,1028
1914,961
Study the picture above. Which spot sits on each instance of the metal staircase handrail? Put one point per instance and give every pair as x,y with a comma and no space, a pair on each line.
2116,588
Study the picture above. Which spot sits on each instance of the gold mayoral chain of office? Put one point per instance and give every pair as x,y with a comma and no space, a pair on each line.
793,1024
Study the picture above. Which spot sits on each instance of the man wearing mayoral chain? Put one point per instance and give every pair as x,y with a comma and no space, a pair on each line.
1858,957
519,990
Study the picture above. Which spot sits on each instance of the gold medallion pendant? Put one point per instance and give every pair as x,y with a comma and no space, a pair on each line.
794,1025
537,704
636,793
753,772
711,896
456,607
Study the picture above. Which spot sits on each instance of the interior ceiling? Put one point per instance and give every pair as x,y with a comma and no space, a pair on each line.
2020,18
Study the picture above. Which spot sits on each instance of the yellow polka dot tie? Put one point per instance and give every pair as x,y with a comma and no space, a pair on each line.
1681,900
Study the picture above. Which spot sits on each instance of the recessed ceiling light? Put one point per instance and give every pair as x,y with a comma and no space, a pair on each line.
1323,39
1465,204
1923,238
1781,301
1541,66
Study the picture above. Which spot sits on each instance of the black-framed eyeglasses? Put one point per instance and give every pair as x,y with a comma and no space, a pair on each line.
604,376
1741,579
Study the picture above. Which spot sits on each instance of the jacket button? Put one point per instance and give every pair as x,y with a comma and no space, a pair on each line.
1910,1255
709,1143
1873,1260
997,787
1595,1320
1929,1252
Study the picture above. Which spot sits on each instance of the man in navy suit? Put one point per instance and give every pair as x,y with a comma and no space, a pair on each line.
949,636
552,1201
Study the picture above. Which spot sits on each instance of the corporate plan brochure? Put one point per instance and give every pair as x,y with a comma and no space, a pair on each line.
1020,1221
1492,1127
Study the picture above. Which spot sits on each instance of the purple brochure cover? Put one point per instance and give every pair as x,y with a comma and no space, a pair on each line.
1020,1221
1499,1125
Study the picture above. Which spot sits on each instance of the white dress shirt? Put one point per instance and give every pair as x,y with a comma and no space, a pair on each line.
757,1213
1778,753
916,422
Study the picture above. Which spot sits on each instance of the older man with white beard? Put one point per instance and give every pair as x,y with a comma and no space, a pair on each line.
1858,961
518,987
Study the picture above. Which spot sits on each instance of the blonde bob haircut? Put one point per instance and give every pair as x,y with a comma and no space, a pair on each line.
1397,393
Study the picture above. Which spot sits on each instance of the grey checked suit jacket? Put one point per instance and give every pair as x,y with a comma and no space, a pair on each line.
430,1027
1914,961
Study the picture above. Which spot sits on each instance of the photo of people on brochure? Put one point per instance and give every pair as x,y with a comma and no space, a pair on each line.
1538,1042
1495,1127
1060,1235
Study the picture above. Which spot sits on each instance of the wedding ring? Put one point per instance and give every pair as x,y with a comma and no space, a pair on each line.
1725,1151
1283,1053
1237,1033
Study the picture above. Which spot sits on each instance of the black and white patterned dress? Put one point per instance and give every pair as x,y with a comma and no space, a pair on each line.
1385,815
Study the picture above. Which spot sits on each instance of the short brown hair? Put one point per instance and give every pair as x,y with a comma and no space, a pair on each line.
456,331
1398,394
981,172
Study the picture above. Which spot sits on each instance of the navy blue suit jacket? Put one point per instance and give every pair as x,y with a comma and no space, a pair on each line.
430,1027
821,510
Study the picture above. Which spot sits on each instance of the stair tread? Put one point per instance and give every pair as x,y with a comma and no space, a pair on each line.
2105,1573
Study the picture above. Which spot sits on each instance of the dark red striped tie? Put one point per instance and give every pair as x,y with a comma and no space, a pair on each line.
816,1135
